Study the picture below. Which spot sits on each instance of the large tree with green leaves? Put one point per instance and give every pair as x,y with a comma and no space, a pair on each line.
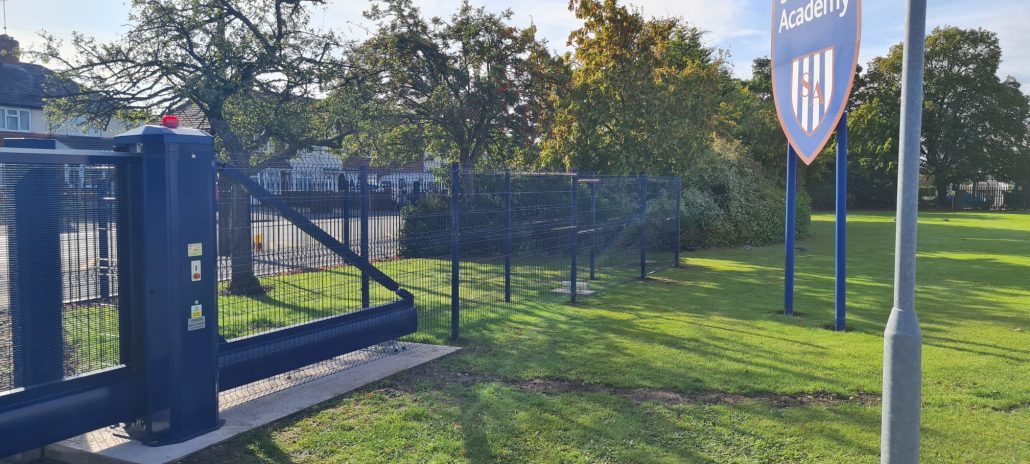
251,67
974,123
471,87
645,95
754,119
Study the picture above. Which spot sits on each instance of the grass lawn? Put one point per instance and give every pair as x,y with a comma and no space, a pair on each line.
697,365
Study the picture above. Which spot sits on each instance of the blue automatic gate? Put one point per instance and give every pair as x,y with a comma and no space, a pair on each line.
253,358
108,293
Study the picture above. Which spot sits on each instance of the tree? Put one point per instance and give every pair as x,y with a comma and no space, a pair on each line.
252,67
645,95
466,87
974,123
756,124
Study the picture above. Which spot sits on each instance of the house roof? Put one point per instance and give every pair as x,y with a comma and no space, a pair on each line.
23,84
190,115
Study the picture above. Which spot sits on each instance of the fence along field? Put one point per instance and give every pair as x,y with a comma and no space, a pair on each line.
517,236
120,265
514,242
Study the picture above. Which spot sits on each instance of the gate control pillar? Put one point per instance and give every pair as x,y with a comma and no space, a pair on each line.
179,262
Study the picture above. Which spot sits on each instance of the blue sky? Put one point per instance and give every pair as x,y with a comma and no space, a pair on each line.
739,26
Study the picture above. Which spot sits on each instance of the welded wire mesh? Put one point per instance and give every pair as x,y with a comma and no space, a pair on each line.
273,275
59,313
516,236
299,376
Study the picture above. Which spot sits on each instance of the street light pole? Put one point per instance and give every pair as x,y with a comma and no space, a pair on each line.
902,340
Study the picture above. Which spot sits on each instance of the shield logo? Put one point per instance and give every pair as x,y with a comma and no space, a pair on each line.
815,47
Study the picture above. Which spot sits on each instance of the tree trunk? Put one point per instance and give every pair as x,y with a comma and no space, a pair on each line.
467,164
242,281
942,193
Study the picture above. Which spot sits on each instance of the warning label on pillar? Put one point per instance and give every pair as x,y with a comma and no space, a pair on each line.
196,323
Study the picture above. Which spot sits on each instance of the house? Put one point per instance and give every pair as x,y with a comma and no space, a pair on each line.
317,169
22,93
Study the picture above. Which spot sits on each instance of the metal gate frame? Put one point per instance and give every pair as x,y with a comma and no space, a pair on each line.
255,357
165,181
52,408
173,363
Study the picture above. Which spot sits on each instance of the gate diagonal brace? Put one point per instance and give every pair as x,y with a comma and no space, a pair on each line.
304,224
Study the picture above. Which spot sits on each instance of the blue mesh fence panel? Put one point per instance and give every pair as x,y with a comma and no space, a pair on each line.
516,232
58,229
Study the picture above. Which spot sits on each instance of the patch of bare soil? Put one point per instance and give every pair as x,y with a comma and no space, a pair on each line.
644,395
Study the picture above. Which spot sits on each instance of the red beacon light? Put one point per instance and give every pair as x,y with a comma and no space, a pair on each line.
170,121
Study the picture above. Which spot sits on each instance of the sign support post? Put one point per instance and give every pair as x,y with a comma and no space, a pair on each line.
814,56
790,233
902,340
840,261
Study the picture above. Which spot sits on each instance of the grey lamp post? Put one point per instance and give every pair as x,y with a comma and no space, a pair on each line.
902,340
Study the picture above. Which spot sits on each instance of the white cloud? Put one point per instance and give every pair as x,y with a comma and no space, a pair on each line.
723,19
1009,21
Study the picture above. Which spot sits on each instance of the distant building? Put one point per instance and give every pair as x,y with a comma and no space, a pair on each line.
21,106
317,169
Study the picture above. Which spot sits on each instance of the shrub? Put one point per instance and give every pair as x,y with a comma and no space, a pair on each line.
733,203
426,228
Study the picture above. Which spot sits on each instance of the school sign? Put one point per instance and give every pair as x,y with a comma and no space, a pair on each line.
814,55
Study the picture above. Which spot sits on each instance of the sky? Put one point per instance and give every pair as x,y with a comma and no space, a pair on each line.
740,27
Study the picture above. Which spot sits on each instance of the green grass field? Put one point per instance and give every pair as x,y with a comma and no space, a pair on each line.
697,365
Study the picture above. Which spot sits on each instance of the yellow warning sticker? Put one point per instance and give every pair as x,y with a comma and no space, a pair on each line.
196,311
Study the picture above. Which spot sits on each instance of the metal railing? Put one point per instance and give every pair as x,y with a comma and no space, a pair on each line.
984,196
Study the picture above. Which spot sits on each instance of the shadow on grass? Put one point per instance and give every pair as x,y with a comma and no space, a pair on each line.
709,327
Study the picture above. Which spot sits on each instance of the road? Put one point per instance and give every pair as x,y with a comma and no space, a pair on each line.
278,247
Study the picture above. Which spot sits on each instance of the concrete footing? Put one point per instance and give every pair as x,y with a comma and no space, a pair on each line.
109,446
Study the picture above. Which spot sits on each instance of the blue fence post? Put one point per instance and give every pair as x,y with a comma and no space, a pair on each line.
593,228
841,227
179,273
455,250
574,239
346,212
789,232
365,199
34,270
679,199
104,239
128,188
643,226
507,237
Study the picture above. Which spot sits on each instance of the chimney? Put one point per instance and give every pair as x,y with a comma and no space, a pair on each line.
8,49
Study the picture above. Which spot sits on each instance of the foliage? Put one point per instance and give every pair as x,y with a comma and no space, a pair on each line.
644,94
755,120
974,123
733,203
425,228
249,67
465,87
